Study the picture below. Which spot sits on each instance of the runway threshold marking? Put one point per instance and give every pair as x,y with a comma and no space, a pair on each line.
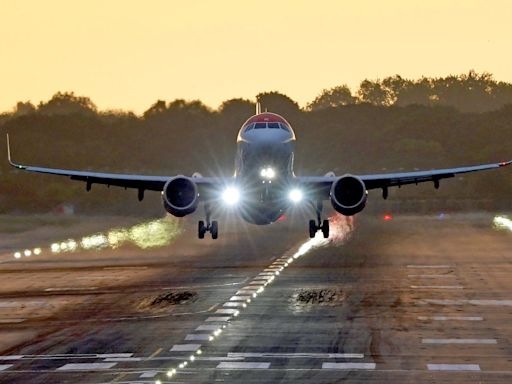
243,365
3,367
453,367
197,337
239,298
207,327
226,311
447,318
297,355
233,304
459,341
429,266
86,366
349,366
148,374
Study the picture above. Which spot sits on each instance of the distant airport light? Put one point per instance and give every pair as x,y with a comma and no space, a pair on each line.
27,252
37,251
295,195
17,255
231,195
388,217
268,173
502,222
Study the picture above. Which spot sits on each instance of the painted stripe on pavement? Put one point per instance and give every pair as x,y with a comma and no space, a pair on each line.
459,341
218,318
197,336
366,366
446,318
185,347
86,366
3,367
298,355
453,367
243,365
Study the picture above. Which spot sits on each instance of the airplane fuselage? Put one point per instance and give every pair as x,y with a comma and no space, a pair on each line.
264,167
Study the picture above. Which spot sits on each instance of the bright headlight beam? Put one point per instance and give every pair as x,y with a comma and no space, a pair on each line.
231,195
295,195
268,173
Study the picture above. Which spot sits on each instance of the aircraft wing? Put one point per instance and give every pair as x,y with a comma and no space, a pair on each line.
322,184
140,182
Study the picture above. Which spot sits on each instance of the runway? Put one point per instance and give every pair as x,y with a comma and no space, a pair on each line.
413,299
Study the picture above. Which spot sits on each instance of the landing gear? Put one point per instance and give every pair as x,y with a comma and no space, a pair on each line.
212,227
318,225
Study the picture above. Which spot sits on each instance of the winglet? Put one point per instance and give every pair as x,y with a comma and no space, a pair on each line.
9,155
505,163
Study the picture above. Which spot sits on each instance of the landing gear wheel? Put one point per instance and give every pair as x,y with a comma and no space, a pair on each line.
214,229
312,228
201,229
325,229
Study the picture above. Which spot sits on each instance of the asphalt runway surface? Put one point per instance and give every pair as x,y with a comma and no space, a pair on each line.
420,299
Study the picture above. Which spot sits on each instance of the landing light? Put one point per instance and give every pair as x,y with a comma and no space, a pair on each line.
295,195
231,195
268,173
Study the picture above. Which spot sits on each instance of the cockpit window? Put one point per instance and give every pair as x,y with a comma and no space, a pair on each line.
273,125
249,127
284,126
260,125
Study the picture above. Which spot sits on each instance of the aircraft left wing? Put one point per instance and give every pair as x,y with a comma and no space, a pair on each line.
322,184
140,182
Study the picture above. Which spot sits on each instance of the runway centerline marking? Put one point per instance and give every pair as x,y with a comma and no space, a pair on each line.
243,365
349,366
459,341
453,367
442,266
431,276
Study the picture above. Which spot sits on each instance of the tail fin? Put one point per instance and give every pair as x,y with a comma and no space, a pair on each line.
258,108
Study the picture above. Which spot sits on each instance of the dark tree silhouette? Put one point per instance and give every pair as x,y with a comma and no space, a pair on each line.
332,98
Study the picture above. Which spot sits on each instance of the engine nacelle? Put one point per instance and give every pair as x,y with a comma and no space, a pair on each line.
348,195
180,196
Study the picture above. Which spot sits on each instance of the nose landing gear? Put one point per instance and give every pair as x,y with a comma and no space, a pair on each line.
318,225
212,227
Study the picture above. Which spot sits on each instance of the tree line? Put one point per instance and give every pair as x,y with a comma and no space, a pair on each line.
387,125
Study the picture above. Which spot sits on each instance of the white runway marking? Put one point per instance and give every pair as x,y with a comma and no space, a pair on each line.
185,347
239,298
430,276
207,327
233,304
86,366
148,375
122,359
453,367
367,366
3,367
298,355
266,274
243,365
429,266
249,288
218,318
197,336
11,357
446,318
437,287
258,282
507,303
226,311
9,321
459,341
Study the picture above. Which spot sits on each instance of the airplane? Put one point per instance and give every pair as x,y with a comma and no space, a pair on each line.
264,184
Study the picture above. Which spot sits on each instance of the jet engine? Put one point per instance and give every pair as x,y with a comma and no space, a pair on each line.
180,196
348,195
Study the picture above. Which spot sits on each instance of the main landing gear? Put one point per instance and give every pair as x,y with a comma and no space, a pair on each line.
318,225
212,227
